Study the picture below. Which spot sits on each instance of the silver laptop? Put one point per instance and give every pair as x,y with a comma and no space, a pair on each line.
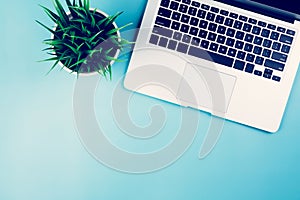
234,59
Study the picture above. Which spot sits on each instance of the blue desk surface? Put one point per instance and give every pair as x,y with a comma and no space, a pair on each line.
41,156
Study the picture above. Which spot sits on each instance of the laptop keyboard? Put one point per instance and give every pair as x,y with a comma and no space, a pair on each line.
236,41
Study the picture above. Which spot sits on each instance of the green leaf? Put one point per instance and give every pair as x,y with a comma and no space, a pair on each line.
86,5
113,18
54,17
61,12
53,66
80,3
49,29
72,48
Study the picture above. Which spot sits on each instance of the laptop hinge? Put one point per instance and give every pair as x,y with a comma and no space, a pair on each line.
261,9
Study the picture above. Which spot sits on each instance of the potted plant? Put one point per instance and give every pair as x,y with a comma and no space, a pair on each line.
84,40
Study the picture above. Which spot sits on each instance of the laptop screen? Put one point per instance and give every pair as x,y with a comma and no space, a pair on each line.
287,5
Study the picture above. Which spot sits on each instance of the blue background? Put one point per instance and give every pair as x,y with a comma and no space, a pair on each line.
41,156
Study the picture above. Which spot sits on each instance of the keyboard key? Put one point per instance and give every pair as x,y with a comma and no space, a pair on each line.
266,53
267,43
258,73
210,16
184,28
239,35
231,52
238,25
252,21
276,46
172,44
174,5
241,55
285,49
256,30
271,26
212,27
279,56
203,34
248,47
224,12
223,49
177,36
210,56
230,42
230,32
186,2
154,39
239,65
259,60
262,24
196,41
267,76
221,29
162,31
274,65
249,38
258,40
233,15
265,33
286,39
247,27
274,35
186,39
182,48
257,50
205,7
249,68
280,29
212,36
163,22
243,18
203,24
176,16
221,39
165,3
175,25
201,14
250,57
185,19
220,19
204,44
183,8
164,12
214,9
194,31
196,4
194,21
228,22
268,71
276,78
239,45
213,47
192,11
290,32
163,42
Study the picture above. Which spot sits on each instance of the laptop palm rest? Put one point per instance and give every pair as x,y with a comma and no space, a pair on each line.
206,89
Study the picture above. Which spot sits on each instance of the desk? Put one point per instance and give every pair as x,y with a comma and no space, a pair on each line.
41,156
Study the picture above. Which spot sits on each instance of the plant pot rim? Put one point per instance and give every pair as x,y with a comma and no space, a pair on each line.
95,72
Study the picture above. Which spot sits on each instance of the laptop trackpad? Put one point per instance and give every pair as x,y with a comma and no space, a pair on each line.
206,88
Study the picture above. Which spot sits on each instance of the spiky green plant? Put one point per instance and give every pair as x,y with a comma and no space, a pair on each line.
83,40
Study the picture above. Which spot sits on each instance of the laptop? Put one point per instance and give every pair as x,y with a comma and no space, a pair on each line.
234,59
